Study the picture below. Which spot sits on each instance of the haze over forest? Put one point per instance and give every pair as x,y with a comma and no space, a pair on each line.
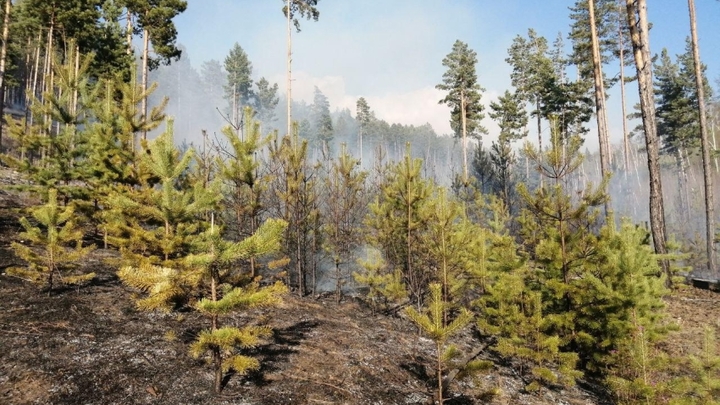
528,185
390,52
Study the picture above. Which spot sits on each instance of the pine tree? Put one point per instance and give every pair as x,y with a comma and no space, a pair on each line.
555,228
51,265
397,220
267,101
384,285
295,201
600,98
596,285
59,139
619,292
364,117
513,311
512,120
344,208
447,240
464,94
509,308
704,143
439,331
240,170
322,122
532,69
702,386
238,90
154,19
90,24
158,224
640,36
213,265
676,97
580,35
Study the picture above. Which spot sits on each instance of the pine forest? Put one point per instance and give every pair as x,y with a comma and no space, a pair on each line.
290,224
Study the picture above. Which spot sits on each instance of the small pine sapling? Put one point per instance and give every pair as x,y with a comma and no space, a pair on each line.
50,266
638,375
702,384
214,266
211,270
446,237
398,218
154,224
513,312
343,211
433,324
384,287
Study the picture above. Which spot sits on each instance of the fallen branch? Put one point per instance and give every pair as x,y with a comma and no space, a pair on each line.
450,377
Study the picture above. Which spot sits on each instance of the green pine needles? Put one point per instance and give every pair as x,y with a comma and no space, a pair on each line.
51,262
435,325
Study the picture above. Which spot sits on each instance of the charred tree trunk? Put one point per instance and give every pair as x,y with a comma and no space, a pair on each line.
637,20
707,175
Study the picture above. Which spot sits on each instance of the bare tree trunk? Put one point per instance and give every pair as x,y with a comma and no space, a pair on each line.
600,111
35,79
129,33
539,132
715,149
463,107
626,136
143,102
76,84
3,57
683,188
48,81
289,67
439,373
709,209
637,20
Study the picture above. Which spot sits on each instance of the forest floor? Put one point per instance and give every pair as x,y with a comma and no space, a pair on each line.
90,345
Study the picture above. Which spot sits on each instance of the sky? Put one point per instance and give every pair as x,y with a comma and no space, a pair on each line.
391,51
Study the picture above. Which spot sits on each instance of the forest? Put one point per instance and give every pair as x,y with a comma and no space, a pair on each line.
522,267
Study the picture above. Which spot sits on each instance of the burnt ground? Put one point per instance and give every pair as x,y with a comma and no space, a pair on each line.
90,345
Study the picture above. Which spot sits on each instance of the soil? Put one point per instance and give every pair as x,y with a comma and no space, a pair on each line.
90,345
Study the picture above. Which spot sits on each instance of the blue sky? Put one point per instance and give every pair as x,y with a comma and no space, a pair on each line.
391,51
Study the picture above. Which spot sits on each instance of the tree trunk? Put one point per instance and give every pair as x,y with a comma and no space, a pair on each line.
3,57
289,67
129,33
637,20
439,373
626,138
539,132
463,107
143,102
600,111
35,80
709,209
715,149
